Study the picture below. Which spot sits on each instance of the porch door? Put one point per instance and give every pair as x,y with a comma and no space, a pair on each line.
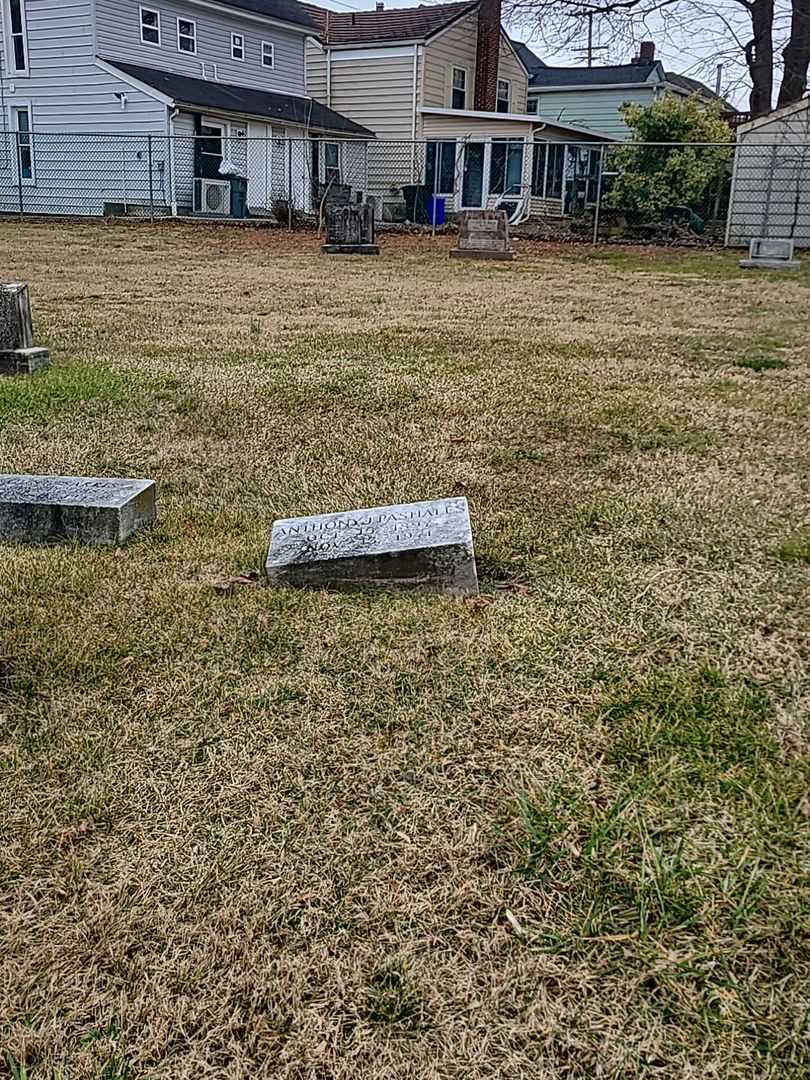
472,186
259,165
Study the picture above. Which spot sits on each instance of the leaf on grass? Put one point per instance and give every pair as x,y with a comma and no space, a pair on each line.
227,585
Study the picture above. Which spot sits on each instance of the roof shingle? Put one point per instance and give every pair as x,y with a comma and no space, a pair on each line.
392,24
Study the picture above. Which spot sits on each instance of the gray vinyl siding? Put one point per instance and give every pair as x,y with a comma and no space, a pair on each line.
118,36
597,110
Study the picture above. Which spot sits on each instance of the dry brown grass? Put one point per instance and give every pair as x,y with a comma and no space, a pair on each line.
277,833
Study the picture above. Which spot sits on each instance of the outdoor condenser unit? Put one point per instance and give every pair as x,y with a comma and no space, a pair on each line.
215,197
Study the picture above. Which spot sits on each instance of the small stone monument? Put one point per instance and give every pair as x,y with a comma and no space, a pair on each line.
483,234
18,356
350,230
422,546
90,508
767,254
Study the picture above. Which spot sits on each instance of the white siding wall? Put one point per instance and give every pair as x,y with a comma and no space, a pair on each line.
454,48
513,72
118,36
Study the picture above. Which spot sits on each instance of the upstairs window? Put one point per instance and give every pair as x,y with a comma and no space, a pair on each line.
186,36
458,99
237,46
531,106
19,40
150,26
502,102
268,54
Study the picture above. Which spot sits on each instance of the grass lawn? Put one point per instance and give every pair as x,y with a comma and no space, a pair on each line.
557,831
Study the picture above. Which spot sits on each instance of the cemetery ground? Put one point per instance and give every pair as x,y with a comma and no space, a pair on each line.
556,831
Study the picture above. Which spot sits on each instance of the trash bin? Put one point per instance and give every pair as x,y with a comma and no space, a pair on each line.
238,196
436,205
416,197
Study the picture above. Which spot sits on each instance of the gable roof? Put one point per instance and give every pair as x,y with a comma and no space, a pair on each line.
242,100
617,75
392,24
289,11
694,86
529,59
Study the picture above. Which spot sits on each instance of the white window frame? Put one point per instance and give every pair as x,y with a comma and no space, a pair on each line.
14,110
12,71
271,46
533,106
453,88
498,98
152,11
189,37
234,36
339,166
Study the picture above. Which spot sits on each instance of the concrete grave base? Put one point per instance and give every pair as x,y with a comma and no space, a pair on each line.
23,361
350,249
770,264
97,510
422,547
482,253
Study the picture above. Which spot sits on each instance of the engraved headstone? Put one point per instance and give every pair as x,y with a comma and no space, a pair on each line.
424,546
483,234
98,510
18,355
765,253
350,230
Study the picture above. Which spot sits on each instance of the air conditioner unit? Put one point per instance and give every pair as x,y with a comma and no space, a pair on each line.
215,196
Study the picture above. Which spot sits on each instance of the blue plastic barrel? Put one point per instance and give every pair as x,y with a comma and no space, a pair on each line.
436,209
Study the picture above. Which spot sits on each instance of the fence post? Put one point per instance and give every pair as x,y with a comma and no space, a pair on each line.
598,207
19,171
289,184
151,181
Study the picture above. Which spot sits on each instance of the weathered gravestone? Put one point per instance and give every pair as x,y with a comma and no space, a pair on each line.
18,355
483,234
350,230
425,546
90,508
767,254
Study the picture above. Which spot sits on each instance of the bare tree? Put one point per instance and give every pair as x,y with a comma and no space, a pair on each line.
796,54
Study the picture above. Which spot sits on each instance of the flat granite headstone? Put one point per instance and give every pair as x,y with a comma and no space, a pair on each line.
424,546
18,356
95,509
483,234
350,230
765,253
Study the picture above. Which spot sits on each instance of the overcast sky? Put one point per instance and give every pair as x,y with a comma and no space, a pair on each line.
692,46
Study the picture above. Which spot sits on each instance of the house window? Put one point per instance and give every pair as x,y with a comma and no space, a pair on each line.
186,35
459,95
539,170
237,46
268,54
331,161
531,106
506,167
502,102
555,172
440,168
210,149
150,26
18,58
21,116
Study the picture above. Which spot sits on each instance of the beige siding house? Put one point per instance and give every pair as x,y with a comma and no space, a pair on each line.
445,91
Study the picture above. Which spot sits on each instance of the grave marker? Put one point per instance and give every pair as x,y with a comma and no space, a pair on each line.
18,355
98,510
424,546
350,230
483,234
767,254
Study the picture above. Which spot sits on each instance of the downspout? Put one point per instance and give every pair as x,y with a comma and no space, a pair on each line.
413,116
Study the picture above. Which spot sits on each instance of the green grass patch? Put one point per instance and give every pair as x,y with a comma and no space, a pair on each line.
73,388
761,361
796,550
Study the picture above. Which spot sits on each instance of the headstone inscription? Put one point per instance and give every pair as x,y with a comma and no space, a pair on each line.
483,234
98,510
350,230
18,355
423,546
765,253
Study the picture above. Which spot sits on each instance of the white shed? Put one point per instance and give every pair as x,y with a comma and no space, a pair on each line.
770,187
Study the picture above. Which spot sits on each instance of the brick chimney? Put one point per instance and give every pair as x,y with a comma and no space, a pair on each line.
646,53
486,55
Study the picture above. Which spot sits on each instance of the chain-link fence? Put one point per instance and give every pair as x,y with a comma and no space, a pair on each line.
596,191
